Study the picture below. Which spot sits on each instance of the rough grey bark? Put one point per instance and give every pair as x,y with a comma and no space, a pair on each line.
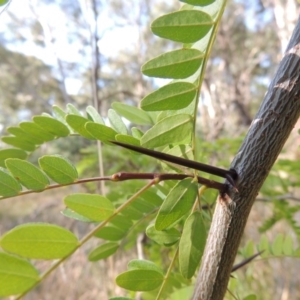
267,134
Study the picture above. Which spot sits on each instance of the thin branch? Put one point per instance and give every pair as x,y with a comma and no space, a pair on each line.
123,176
246,261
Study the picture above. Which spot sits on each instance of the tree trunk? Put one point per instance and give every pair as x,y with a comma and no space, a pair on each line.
267,134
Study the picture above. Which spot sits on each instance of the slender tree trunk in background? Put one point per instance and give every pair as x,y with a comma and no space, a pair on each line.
267,134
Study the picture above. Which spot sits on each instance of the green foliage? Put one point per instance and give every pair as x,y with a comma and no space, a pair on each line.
11,153
28,175
192,244
186,26
173,96
16,275
177,64
281,246
9,186
173,129
94,207
3,2
142,275
166,119
177,204
58,168
132,114
39,241
103,251
167,237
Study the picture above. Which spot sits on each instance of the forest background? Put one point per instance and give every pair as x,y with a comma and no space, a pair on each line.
90,53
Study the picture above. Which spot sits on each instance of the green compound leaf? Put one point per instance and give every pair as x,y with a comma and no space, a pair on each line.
78,124
173,96
28,174
132,113
51,125
38,132
185,26
116,122
93,115
39,241
191,245
101,132
58,168
170,130
103,251
9,186
110,233
198,2
11,153
93,207
176,64
19,143
179,201
163,237
140,280
16,275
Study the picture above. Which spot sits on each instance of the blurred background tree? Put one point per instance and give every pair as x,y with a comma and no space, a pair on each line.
89,52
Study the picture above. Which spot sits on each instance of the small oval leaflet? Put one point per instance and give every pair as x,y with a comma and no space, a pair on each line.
16,275
169,130
185,26
39,241
69,213
9,186
116,122
52,125
101,132
178,203
37,131
58,168
11,153
103,251
177,64
191,245
163,237
23,135
128,139
172,96
18,143
28,174
93,207
78,124
143,264
94,115
132,113
111,233
198,2
140,280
